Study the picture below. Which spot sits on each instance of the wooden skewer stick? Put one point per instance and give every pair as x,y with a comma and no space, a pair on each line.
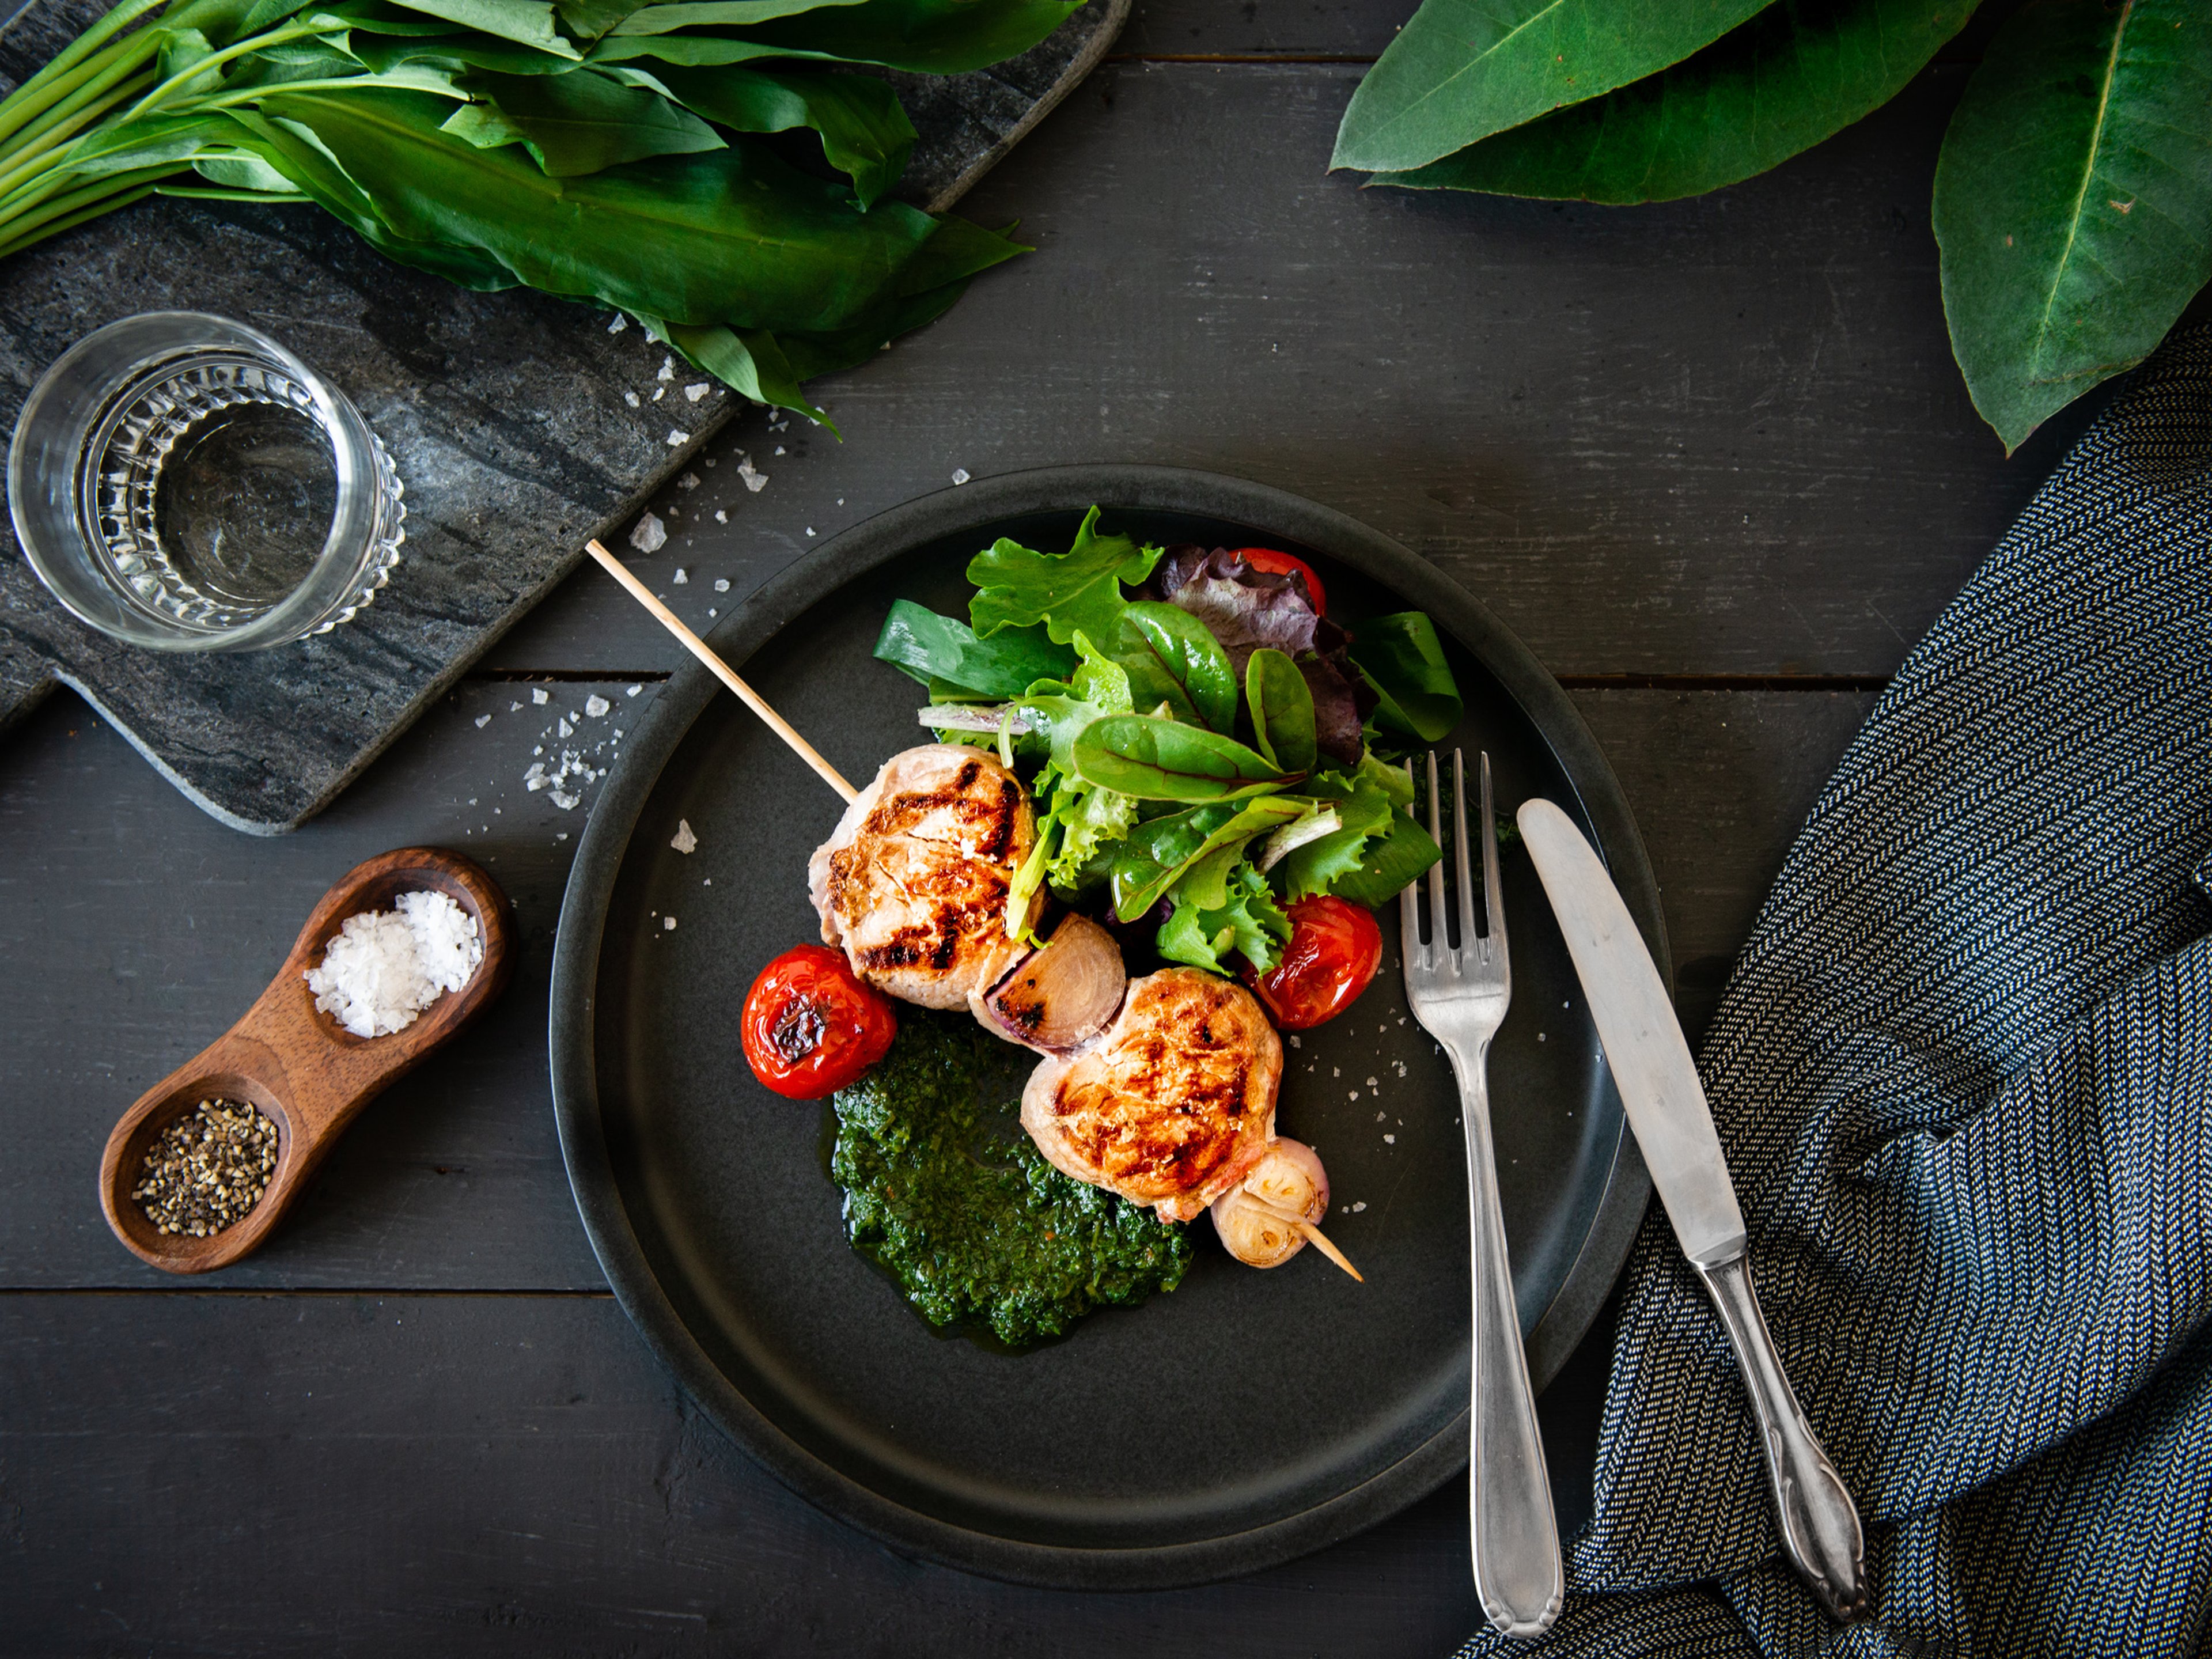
1314,1237
722,671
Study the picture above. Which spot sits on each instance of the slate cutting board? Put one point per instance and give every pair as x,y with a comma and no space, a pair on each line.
504,413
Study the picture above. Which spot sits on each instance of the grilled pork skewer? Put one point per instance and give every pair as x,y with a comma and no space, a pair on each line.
913,885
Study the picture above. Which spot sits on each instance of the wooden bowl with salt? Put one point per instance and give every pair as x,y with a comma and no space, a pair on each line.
296,1065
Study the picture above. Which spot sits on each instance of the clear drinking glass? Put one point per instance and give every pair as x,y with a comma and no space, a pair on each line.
181,481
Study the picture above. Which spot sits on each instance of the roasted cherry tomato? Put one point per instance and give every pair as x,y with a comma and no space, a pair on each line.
1334,950
810,1027
1281,564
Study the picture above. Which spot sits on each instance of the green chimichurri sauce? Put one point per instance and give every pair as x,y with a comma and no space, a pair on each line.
945,1191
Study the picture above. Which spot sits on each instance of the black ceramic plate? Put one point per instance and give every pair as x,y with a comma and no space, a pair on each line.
1250,1416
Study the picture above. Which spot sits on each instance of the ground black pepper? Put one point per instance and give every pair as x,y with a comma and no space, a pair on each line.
208,1169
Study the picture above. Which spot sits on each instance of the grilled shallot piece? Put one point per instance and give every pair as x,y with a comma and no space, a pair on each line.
1270,1216
1060,996
913,885
1174,1105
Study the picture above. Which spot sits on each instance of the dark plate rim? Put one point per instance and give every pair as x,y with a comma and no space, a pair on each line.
605,844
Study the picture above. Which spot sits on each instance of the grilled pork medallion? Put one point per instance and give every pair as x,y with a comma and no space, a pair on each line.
1174,1104
913,885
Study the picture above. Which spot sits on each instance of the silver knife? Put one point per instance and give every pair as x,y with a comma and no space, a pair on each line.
1673,1126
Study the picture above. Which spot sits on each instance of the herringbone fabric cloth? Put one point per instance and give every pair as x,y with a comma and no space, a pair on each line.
1963,1075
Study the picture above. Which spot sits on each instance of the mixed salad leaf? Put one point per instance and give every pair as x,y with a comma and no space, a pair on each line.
1203,744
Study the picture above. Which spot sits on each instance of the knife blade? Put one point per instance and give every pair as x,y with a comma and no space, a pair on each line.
1644,1042
1674,1125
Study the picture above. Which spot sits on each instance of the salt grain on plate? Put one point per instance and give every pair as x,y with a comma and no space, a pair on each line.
689,480
633,691
668,924
684,840
754,479
1360,1205
651,535
482,720
595,705
385,967
564,730
680,577
721,584
722,517
540,696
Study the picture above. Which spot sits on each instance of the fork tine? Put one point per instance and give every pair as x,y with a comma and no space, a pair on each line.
1409,916
1439,931
1462,874
1493,891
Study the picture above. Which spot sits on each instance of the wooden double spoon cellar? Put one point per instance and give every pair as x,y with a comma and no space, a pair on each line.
296,1066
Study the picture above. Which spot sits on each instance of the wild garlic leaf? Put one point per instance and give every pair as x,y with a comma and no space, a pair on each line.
580,123
864,133
695,14
530,22
1797,72
1462,69
930,646
928,37
2074,200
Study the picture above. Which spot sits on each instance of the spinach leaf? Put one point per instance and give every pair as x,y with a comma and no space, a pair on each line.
1282,710
1462,69
577,123
1402,660
1402,855
2074,200
1172,658
1164,760
1080,589
865,134
930,646
1159,853
1797,72
1227,908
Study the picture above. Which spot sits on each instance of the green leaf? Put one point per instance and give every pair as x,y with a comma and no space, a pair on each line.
1080,589
1244,918
1402,854
577,123
528,22
864,133
928,646
1402,660
1164,760
664,19
1158,852
928,37
1797,72
458,52
587,20
1282,710
2074,200
1362,815
1173,658
750,361
733,237
1462,70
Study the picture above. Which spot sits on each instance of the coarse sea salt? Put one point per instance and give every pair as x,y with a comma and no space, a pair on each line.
385,967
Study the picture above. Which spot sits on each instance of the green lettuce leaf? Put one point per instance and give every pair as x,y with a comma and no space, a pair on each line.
1225,908
1080,589
1402,660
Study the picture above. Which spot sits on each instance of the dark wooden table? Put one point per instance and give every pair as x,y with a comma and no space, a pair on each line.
1712,460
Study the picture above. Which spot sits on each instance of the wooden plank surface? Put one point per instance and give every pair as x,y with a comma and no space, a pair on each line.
1712,460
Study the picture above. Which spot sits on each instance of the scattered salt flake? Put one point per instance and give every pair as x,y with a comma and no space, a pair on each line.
721,584
693,392
684,840
565,730
540,696
482,720
1295,1043
1354,1095
633,400
1360,1205
677,437
721,516
659,392
533,785
1379,1116
561,836
809,530
514,708
1370,1083
651,535
619,323
668,924
1540,1036
689,481
779,448
565,801
681,576
960,475
712,611
595,705
756,480
633,691
1389,1141
667,369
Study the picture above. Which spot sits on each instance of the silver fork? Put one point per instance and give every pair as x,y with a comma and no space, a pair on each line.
1459,998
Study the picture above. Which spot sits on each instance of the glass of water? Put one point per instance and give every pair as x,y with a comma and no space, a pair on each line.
181,481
